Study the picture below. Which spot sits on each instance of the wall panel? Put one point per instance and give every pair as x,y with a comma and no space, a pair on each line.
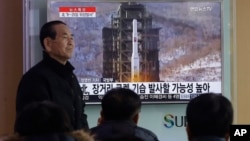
243,57
10,60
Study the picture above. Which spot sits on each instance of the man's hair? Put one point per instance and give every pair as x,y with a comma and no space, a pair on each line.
42,117
120,104
48,30
209,115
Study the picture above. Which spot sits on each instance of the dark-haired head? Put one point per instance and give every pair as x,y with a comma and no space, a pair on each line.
120,104
48,30
42,118
209,115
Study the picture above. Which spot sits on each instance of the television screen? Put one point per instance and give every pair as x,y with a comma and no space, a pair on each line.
166,51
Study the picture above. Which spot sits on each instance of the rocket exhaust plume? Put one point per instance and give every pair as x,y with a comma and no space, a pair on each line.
135,62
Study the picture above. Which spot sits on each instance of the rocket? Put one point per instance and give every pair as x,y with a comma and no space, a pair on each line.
135,62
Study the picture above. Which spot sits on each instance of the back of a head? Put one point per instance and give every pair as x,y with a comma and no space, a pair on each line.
120,104
42,118
209,115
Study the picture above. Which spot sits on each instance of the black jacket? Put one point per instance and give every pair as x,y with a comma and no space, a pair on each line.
50,80
208,138
111,129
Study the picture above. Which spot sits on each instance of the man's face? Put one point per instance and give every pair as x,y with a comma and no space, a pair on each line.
62,47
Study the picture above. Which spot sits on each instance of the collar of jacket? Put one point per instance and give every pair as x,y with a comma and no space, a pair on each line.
208,138
130,122
64,70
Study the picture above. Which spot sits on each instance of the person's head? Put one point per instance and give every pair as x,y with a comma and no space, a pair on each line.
57,40
209,115
121,104
42,118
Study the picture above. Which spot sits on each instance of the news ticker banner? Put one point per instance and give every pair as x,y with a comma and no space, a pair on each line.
240,132
152,91
77,12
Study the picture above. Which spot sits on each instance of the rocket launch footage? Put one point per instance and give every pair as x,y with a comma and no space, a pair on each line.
135,62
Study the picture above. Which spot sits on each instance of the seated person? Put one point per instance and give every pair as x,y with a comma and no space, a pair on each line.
119,116
209,117
46,121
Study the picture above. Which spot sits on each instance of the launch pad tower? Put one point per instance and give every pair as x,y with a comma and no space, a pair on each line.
117,44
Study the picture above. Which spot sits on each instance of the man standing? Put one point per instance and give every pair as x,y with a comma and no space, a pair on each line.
53,78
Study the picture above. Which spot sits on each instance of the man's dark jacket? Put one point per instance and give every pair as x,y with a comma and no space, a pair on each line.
113,129
51,80
208,138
